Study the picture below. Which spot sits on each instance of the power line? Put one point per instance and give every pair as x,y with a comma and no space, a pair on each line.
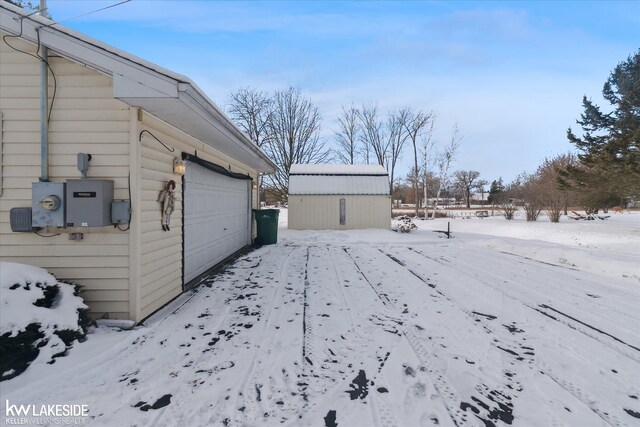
88,13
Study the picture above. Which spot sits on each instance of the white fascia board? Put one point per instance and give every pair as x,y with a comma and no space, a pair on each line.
207,110
126,87
135,79
88,54
110,64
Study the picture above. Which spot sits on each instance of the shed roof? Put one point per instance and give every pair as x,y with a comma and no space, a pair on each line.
328,169
169,96
338,179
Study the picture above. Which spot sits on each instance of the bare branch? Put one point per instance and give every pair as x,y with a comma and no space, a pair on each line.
372,136
445,158
465,181
397,137
293,128
415,125
250,109
347,135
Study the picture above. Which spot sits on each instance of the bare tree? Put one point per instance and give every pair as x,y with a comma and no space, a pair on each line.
532,196
525,190
293,126
556,196
397,137
250,109
508,210
347,135
415,125
444,163
544,188
427,148
465,181
373,137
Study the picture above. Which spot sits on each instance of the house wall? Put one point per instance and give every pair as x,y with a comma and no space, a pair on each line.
160,274
126,274
85,118
322,212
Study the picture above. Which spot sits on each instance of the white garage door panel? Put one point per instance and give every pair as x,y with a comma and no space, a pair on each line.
216,218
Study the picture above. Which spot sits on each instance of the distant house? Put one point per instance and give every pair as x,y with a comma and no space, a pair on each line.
480,197
147,129
338,197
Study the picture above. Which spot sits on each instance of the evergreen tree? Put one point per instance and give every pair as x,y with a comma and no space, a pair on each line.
609,148
495,191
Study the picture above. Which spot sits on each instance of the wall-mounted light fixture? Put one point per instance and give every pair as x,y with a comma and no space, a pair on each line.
179,166
255,186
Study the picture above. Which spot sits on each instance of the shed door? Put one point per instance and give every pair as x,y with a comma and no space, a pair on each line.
216,218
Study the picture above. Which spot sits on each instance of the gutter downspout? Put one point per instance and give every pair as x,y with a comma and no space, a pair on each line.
44,106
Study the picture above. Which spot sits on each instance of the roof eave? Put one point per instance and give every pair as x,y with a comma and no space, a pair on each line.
191,95
167,95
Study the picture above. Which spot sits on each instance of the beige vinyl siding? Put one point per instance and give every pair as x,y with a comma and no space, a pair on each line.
322,212
85,118
161,251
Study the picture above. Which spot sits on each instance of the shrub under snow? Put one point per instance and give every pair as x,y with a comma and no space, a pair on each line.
40,318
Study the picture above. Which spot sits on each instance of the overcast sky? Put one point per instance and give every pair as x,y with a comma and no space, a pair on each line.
512,74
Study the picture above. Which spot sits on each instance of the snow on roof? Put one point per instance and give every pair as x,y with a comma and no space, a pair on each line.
328,169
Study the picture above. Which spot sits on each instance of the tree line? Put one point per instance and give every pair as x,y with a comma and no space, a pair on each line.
286,125
603,172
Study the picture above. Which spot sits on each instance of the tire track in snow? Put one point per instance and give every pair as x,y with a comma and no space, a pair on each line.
377,325
445,391
574,284
581,291
547,307
234,328
307,331
574,390
331,371
495,333
543,298
340,286
383,415
504,402
578,393
251,382
306,325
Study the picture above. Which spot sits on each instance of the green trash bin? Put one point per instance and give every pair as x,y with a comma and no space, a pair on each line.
267,221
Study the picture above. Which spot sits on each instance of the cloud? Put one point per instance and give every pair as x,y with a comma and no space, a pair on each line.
512,76
210,16
498,24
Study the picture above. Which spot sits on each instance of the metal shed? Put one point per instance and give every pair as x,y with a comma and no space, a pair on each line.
339,197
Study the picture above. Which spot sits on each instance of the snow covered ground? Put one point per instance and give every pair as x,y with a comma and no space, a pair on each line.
506,323
24,292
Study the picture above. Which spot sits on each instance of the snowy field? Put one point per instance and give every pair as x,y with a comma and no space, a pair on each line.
508,323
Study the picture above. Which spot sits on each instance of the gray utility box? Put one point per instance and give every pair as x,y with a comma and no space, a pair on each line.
89,202
47,204
21,219
120,211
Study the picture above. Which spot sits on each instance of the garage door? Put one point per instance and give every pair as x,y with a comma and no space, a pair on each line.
216,218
